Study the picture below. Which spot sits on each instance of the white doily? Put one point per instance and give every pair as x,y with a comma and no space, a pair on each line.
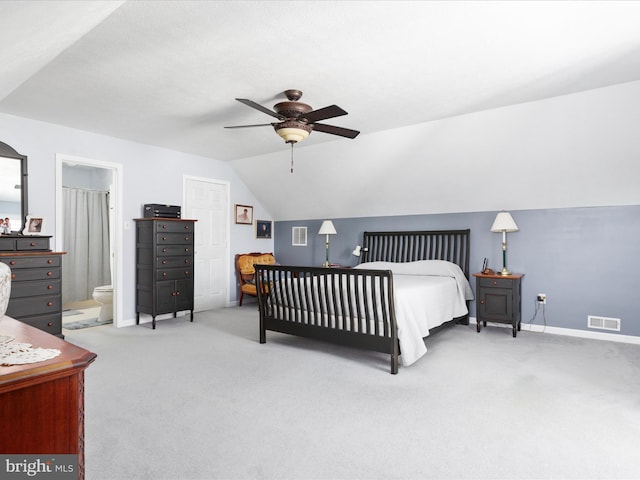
22,353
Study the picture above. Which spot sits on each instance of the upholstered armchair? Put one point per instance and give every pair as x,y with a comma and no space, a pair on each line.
246,273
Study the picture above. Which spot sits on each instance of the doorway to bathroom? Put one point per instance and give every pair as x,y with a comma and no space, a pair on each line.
87,229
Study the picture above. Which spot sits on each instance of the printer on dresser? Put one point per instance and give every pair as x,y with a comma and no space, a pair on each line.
36,277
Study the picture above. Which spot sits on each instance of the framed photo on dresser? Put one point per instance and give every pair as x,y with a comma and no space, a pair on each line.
33,225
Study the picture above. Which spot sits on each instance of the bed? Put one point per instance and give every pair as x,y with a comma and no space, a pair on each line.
407,284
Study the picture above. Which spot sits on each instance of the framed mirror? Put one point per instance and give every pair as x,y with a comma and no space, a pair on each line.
13,189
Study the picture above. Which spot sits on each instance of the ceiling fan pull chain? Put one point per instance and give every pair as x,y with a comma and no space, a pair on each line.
292,158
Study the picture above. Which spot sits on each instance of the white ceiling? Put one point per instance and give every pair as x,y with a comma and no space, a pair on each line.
167,72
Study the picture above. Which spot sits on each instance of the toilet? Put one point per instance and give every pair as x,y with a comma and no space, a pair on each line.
104,296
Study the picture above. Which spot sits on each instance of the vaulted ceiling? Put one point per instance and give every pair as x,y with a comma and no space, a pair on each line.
166,72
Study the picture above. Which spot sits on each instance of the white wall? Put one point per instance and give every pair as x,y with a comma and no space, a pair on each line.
151,175
572,151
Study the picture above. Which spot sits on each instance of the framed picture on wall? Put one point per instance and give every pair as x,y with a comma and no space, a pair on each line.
244,214
263,229
33,225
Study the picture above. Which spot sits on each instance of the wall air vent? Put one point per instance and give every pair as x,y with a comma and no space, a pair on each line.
603,323
299,236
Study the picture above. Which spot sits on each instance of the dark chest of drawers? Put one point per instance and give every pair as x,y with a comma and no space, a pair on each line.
36,282
164,266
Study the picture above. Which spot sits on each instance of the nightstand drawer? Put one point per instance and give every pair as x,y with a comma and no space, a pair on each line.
495,282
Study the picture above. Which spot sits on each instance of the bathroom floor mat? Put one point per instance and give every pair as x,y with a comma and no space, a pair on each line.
89,322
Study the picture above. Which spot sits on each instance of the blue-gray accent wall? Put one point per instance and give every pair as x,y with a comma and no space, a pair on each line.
585,259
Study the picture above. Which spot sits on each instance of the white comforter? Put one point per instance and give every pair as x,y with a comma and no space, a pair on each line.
427,294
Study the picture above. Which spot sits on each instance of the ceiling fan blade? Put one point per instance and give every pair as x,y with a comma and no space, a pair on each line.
333,130
331,111
249,126
257,106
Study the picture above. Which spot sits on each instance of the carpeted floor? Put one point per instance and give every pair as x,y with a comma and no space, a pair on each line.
205,400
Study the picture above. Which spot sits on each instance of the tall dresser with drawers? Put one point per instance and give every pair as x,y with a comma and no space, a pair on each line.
36,277
164,266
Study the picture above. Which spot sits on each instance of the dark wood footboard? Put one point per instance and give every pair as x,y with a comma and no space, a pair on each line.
345,306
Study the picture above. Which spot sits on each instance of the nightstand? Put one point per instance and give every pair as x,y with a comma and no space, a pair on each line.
498,299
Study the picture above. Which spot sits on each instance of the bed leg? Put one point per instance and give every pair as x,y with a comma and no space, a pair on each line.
394,363
263,333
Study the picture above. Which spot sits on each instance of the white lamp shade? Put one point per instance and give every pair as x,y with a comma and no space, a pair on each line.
504,223
327,228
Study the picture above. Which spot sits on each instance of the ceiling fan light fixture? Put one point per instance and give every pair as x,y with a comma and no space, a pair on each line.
293,132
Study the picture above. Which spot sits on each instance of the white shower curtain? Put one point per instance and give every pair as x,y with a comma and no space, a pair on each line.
86,241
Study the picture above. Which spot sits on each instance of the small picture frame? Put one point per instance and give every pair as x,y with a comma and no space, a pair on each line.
263,228
244,214
33,225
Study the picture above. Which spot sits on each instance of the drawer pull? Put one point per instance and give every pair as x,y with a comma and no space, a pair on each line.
495,283
13,276
164,226
187,239
49,274
186,250
186,272
49,261
164,262
50,324
164,238
49,287
164,274
32,244
177,294
12,262
164,250
49,304
173,294
481,302
187,227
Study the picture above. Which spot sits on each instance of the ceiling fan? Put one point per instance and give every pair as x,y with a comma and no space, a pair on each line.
296,120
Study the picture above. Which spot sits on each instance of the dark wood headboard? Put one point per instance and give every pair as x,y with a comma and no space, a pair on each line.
450,245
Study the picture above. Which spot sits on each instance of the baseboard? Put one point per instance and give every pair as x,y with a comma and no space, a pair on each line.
569,332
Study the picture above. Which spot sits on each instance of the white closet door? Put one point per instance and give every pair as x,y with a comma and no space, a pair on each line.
207,201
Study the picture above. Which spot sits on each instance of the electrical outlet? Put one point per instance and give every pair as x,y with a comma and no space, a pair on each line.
542,298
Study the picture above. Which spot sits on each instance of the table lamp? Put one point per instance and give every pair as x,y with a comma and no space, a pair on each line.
327,229
504,223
